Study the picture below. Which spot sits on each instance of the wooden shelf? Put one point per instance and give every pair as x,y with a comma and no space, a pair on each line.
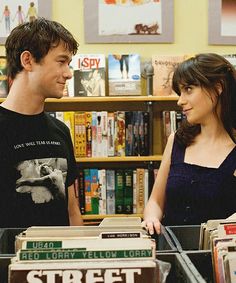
120,159
102,99
112,99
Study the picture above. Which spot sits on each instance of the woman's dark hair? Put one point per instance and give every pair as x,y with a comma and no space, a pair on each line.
208,71
38,37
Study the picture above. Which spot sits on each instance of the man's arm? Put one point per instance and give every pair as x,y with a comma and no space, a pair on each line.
75,216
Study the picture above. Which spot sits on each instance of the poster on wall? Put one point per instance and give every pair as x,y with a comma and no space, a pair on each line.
222,22
112,21
15,12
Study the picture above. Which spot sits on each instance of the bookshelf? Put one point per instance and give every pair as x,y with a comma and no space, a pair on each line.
153,104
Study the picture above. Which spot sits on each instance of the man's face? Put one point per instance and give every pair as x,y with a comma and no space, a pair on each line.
48,77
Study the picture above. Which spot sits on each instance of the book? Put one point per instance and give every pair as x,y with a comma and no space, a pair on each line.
110,134
87,191
68,117
88,128
95,190
129,133
89,71
164,67
120,133
110,191
128,191
140,187
80,135
81,190
3,77
102,186
124,74
119,191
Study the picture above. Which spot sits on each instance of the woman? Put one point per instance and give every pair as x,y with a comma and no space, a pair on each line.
197,177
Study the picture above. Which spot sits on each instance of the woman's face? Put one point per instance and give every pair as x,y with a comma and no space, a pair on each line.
198,104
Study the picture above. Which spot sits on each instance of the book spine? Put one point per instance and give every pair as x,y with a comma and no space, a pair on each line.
102,191
88,122
128,191
119,191
111,133
69,121
128,133
94,134
120,133
81,191
110,193
104,133
95,190
140,189
134,191
87,189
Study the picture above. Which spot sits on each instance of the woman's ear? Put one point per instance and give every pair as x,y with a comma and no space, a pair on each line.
26,59
219,88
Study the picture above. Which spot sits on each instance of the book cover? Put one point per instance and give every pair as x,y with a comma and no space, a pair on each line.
89,71
164,66
3,77
124,74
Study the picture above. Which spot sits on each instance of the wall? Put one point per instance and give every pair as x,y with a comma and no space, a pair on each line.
191,21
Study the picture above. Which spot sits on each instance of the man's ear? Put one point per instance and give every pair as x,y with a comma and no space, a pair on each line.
26,59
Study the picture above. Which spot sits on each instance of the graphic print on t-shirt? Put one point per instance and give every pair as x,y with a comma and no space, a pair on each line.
44,179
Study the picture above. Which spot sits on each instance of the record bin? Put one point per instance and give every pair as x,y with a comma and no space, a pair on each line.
185,237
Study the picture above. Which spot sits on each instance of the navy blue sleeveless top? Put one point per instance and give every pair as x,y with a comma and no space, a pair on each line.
195,193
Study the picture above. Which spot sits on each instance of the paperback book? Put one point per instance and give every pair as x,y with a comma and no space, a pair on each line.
89,72
164,67
124,74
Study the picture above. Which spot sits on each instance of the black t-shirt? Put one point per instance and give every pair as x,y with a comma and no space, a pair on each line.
37,165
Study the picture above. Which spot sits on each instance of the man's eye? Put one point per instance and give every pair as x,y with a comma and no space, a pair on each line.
188,89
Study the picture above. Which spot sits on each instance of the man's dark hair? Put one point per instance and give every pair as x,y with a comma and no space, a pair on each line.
37,37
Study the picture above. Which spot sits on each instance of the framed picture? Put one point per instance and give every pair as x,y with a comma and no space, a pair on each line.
15,12
222,22
124,21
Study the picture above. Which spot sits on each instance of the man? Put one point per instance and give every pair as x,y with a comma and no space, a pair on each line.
37,164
